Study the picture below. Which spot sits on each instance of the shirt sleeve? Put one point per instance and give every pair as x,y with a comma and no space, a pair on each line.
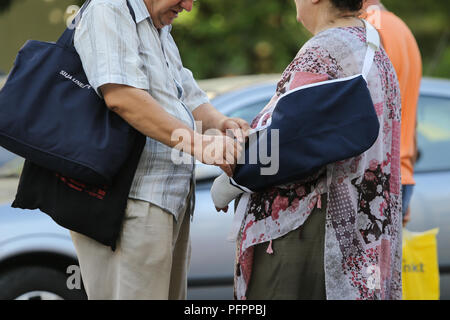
108,45
193,95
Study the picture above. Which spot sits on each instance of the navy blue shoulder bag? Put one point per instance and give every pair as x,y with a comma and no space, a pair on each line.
50,115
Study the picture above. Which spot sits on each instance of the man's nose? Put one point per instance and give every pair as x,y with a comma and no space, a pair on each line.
187,4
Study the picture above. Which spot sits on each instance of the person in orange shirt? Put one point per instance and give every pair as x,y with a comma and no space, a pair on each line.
402,49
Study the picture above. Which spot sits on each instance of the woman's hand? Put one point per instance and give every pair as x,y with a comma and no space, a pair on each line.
223,209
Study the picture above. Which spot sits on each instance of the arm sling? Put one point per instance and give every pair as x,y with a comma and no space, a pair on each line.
315,125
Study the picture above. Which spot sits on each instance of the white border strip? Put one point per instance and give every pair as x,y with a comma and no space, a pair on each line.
234,183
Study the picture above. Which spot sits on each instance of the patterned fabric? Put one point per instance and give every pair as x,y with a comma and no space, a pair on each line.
363,221
114,49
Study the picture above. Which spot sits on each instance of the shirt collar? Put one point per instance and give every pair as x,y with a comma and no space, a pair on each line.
141,12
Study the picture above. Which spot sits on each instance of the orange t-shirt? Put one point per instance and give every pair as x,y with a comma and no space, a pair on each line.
402,49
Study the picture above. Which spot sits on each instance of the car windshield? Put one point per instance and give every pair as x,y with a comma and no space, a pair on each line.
250,111
433,134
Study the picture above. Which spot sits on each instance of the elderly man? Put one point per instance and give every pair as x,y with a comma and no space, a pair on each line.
136,67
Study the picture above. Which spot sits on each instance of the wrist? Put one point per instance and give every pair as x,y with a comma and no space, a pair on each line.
185,141
195,142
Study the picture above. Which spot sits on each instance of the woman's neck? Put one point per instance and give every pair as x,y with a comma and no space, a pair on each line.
342,20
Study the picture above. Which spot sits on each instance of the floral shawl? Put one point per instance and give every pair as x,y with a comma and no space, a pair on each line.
363,220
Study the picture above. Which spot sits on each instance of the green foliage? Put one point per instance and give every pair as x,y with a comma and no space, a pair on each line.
231,37
245,36
428,20
5,4
238,36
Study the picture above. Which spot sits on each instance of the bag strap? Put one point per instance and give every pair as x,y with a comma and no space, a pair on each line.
373,44
66,39
133,15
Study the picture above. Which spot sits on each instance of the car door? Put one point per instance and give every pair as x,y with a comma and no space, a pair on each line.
430,203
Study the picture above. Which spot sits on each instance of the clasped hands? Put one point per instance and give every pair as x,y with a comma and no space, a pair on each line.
224,147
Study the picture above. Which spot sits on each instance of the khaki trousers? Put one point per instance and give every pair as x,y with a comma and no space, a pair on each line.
151,260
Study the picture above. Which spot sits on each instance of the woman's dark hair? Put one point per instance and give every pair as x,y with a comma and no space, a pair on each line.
348,5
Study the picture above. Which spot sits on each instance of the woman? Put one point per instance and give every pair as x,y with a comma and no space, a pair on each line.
336,234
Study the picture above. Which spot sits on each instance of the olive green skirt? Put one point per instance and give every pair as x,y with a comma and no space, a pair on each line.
295,270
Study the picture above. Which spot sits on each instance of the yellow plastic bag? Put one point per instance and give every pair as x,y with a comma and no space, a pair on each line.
420,276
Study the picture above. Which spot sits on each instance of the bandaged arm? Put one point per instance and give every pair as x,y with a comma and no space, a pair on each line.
223,192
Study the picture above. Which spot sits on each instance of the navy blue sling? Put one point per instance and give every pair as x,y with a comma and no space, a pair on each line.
317,124
50,115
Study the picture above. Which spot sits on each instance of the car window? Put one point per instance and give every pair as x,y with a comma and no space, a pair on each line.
5,156
249,112
433,134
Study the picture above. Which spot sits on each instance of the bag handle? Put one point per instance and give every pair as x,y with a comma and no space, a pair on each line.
373,44
66,39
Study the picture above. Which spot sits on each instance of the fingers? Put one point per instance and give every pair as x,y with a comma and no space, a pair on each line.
233,153
229,160
245,127
222,209
221,151
227,169
237,128
235,133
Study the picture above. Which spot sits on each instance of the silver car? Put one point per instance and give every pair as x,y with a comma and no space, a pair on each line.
38,260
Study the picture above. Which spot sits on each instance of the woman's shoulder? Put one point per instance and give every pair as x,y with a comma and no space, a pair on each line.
345,47
337,38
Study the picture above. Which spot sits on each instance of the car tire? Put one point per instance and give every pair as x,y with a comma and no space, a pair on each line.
37,283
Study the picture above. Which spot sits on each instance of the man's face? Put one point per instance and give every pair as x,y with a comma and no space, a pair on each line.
163,12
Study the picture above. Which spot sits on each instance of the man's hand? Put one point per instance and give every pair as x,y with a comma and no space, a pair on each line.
235,127
231,128
211,118
218,150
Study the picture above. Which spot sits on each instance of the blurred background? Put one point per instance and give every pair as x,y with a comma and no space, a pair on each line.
245,36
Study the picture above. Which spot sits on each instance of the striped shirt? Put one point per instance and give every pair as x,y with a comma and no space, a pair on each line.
115,49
